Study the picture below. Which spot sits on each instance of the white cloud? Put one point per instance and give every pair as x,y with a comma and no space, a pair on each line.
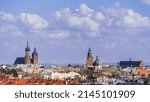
7,28
125,18
83,23
52,34
9,25
58,34
109,20
82,19
10,30
134,19
79,22
85,10
29,24
99,16
33,21
7,17
146,1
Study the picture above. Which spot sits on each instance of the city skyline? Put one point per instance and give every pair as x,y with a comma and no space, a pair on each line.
63,30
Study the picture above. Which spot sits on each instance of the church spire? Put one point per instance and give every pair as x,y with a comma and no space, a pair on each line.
27,47
35,56
34,52
89,53
89,62
27,54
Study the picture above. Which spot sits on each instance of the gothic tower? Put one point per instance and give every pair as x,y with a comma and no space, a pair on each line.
35,57
27,54
89,62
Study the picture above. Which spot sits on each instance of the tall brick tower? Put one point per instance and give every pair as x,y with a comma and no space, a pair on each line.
35,57
27,54
89,62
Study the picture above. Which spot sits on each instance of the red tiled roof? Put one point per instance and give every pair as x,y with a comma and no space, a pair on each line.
8,81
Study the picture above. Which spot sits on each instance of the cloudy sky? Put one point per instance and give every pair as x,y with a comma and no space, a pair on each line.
63,30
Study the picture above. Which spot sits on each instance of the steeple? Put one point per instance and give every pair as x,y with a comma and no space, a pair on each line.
35,52
27,54
35,57
89,62
89,53
27,47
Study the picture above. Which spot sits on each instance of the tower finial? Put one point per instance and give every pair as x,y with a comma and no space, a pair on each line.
34,52
27,47
90,49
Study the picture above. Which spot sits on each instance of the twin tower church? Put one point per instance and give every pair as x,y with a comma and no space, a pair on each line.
27,59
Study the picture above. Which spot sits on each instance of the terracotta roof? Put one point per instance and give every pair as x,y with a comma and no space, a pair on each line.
36,82
143,72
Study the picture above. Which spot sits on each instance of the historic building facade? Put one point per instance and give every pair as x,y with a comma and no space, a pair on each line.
90,63
28,59
35,57
130,63
27,55
92,67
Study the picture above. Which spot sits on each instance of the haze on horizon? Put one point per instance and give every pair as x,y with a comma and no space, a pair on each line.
63,30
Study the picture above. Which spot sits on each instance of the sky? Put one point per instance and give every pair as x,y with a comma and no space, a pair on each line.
63,30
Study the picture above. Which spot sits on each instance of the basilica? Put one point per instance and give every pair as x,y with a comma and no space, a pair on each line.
96,65
27,59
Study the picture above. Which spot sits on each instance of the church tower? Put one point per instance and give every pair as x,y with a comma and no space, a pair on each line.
27,54
97,65
35,57
96,62
89,62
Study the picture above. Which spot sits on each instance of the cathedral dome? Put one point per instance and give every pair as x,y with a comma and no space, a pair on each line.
96,62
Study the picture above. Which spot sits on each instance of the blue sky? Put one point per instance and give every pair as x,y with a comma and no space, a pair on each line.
63,30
